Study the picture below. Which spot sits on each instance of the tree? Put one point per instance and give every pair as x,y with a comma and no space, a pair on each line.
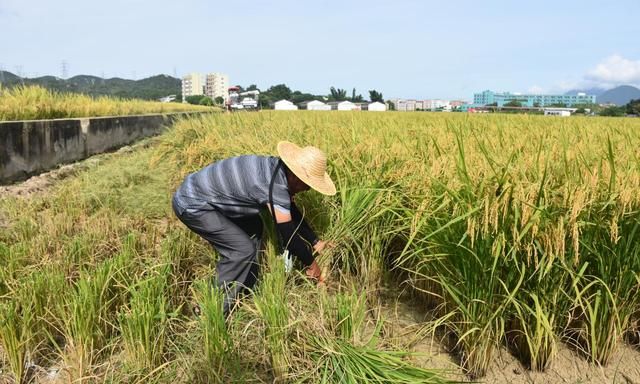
279,92
299,97
206,100
613,111
194,99
390,105
354,97
375,96
513,103
337,94
219,100
252,87
633,108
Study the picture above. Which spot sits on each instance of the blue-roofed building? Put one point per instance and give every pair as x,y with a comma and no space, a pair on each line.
531,100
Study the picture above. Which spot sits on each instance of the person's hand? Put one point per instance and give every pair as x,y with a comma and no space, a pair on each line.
322,245
314,272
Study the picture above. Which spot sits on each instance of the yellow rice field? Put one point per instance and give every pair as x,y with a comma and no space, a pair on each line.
511,231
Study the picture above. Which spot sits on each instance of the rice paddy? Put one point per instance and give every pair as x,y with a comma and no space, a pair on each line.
510,232
36,103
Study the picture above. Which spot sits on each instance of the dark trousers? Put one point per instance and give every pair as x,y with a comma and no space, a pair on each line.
237,242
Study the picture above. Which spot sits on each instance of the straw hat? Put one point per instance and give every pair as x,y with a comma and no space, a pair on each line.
309,164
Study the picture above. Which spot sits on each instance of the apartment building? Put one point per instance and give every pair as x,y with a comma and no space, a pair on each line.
217,85
531,100
192,85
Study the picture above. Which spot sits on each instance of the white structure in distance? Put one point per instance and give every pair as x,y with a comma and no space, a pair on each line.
192,85
377,106
212,85
285,105
316,105
217,85
346,106
564,112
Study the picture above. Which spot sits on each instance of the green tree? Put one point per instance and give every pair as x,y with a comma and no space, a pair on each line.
279,92
219,100
375,96
206,100
633,108
513,103
194,99
354,97
390,105
613,111
337,94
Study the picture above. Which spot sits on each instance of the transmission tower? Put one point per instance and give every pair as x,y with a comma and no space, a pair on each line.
64,69
19,73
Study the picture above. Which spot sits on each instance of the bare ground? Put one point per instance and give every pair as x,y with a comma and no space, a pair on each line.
567,367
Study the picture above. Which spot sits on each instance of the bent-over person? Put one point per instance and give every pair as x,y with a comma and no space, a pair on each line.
222,203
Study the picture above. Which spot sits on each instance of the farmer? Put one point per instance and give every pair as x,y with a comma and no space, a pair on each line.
222,202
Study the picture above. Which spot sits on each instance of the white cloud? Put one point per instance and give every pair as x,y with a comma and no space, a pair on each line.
615,70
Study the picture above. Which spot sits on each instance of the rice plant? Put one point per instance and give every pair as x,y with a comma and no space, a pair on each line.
273,309
35,103
144,321
218,359
338,361
16,331
516,231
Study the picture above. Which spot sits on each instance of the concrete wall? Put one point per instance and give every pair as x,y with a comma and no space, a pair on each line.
34,146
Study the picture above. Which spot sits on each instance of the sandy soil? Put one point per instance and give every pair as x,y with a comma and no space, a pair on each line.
567,367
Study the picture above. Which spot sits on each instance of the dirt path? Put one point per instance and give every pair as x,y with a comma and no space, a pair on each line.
567,367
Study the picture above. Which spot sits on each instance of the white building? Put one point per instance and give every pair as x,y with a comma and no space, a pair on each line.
316,105
559,111
346,106
285,105
377,106
217,85
192,85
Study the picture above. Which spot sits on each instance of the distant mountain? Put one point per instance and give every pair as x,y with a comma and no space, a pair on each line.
150,88
8,77
588,91
619,95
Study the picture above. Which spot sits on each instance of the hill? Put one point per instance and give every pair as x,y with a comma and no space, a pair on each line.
588,91
619,95
150,88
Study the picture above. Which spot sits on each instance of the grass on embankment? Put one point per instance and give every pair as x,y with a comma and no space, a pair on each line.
36,103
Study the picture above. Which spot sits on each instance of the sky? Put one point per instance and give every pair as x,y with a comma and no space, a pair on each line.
402,48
